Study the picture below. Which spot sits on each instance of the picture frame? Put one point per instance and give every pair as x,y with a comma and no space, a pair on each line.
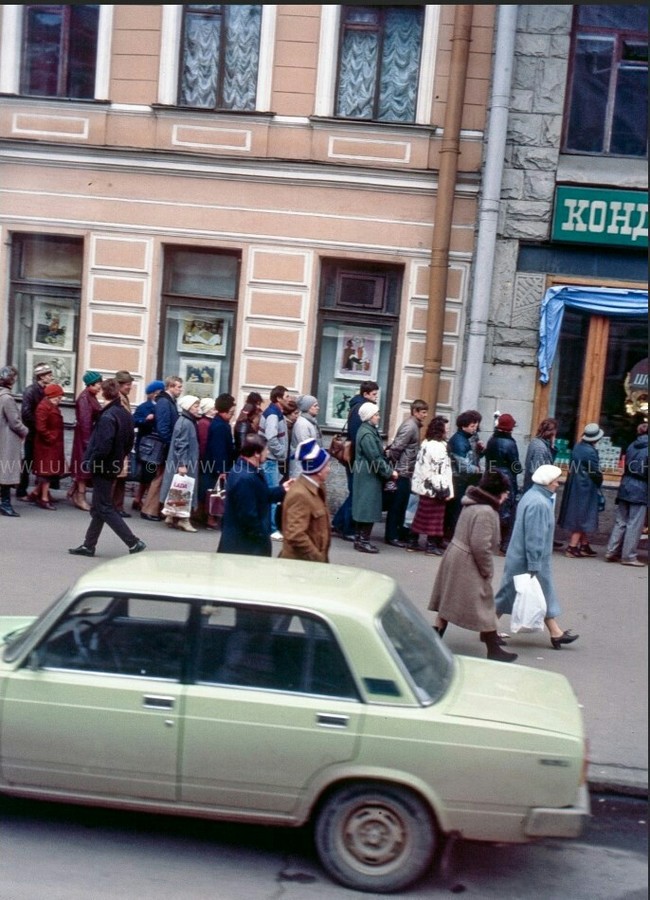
207,335
63,367
338,403
357,353
201,377
53,326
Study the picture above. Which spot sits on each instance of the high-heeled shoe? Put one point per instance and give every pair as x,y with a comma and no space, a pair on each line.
80,502
565,638
573,552
44,504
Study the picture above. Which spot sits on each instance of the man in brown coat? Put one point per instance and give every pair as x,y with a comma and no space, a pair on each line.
305,515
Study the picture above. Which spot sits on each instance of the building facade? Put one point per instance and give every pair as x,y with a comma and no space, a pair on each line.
567,329
242,195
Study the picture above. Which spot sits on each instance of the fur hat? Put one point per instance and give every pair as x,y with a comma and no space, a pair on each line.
367,410
42,369
305,402
505,422
187,402
592,433
154,386
91,377
123,377
53,390
544,475
494,483
311,457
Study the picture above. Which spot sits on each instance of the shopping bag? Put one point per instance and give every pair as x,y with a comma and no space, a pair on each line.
178,501
217,498
529,610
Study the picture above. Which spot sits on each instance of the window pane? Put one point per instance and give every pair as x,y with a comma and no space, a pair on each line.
83,51
40,71
400,65
241,57
592,71
568,374
204,274
357,75
627,345
200,60
619,18
630,125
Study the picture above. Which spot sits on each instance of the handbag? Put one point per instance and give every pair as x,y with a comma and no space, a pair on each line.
151,449
216,498
341,448
529,609
178,501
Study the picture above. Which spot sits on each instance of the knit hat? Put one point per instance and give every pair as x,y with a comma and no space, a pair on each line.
53,390
206,405
187,402
494,483
305,402
505,422
123,377
91,377
544,475
154,386
42,369
367,410
311,457
592,433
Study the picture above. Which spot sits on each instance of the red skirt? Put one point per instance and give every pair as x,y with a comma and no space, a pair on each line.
429,517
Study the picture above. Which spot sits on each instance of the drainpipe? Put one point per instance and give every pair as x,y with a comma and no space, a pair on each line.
449,151
489,206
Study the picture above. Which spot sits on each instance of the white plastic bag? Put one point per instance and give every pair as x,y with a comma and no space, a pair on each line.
178,501
529,610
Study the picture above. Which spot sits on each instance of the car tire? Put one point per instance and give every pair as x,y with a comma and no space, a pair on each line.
377,838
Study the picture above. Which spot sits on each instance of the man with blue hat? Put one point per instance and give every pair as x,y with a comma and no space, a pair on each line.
143,419
305,515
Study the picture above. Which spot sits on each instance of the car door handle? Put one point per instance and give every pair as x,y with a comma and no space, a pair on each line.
153,702
332,721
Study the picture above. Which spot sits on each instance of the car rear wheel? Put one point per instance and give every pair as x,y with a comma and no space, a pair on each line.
375,838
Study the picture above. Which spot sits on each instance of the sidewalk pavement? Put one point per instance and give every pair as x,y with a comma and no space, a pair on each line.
606,603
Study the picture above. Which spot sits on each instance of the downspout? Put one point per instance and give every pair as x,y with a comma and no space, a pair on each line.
489,206
449,151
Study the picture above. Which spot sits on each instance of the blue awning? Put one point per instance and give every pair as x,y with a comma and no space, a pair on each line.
599,301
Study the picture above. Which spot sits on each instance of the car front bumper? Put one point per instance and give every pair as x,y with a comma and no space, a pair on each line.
562,823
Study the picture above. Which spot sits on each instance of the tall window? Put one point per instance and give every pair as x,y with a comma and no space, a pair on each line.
220,52
379,62
607,110
59,51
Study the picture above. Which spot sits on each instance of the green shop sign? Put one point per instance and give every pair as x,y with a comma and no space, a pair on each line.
593,216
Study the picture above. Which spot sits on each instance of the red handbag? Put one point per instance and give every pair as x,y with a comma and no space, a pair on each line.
217,498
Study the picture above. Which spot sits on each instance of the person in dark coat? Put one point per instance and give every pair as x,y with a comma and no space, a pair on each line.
248,420
32,396
220,447
49,453
87,409
165,415
541,451
579,507
246,528
631,503
110,442
465,451
502,455
371,470
143,419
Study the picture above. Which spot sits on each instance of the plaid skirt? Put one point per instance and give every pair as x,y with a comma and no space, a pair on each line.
429,517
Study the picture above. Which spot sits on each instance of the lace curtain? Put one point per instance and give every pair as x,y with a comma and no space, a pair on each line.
221,48
379,63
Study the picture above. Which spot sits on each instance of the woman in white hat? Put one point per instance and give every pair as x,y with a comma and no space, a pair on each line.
531,548
371,470
183,456
579,508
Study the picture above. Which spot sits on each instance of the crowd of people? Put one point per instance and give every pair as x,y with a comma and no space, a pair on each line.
461,494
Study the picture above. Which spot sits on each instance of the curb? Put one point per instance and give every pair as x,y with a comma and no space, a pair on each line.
603,779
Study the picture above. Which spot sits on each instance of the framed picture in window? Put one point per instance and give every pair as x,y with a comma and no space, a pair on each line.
63,367
202,334
201,377
357,353
338,403
53,326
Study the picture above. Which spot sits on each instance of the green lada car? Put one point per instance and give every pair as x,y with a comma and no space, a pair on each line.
283,692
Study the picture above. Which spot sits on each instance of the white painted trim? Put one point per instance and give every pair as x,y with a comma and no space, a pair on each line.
428,63
327,59
170,37
267,56
104,44
10,41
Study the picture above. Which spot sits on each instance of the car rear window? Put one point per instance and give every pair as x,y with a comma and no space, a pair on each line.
428,663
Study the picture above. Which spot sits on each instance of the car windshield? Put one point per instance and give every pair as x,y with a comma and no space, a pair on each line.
428,662
15,640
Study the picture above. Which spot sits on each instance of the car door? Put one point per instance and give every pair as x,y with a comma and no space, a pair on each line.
274,703
95,708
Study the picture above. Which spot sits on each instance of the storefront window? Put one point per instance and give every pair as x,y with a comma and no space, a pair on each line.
199,319
44,301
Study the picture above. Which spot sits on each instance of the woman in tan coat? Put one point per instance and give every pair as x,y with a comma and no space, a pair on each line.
462,592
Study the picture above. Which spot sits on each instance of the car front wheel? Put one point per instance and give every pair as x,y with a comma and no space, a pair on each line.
375,838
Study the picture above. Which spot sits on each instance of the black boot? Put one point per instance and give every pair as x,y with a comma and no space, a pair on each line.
362,544
494,651
6,509
433,547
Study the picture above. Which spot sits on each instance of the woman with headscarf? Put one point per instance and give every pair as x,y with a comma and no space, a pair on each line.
87,409
13,432
183,457
305,428
579,507
462,592
49,455
371,469
531,548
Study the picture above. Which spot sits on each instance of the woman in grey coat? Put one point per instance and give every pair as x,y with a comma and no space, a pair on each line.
579,508
371,470
12,437
530,550
183,456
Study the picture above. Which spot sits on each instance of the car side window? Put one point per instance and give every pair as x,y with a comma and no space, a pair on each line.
119,635
273,649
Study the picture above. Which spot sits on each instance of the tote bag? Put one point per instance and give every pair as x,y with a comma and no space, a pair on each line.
178,501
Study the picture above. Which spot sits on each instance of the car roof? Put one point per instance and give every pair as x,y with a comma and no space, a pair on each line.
216,576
